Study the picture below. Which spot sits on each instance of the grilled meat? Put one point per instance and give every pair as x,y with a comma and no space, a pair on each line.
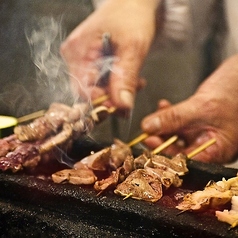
75,176
215,195
230,217
98,160
176,165
119,151
117,176
47,137
51,122
140,185
24,155
109,158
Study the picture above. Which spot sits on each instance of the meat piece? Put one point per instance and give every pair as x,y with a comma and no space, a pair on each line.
109,182
25,155
109,158
50,123
140,185
19,155
167,178
119,152
213,196
98,160
61,138
75,176
8,144
140,161
175,165
117,176
230,217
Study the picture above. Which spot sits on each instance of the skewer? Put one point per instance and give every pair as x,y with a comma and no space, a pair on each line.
100,100
201,148
138,139
40,113
165,144
31,116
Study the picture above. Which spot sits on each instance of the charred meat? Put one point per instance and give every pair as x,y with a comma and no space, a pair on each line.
46,136
51,122
140,185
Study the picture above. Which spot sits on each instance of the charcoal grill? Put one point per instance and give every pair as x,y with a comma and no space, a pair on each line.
32,207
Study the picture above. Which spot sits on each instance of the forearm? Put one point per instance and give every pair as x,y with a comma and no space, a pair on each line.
223,80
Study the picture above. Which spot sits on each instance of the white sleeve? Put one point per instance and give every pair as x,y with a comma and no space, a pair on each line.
177,19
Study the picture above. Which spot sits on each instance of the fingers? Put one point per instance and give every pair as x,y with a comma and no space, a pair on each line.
171,119
124,81
163,103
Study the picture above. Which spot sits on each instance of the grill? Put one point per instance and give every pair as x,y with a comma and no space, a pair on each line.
32,207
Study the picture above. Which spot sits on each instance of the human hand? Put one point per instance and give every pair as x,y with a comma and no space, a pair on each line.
131,24
210,113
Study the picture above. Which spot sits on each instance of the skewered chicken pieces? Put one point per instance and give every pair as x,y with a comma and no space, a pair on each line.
215,195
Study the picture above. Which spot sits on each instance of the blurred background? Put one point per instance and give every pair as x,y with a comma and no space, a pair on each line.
172,70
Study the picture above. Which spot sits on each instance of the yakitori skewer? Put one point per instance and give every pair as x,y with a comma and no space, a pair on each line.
40,113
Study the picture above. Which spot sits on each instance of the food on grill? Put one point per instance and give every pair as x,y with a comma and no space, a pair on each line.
140,178
103,160
48,136
152,171
230,217
75,176
51,122
17,154
117,176
215,195
141,185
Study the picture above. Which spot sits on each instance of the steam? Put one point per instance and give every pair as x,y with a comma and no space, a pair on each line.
51,73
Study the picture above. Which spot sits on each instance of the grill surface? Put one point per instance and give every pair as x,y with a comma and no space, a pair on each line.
31,207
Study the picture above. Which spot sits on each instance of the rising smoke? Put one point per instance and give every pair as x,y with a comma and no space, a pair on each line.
51,73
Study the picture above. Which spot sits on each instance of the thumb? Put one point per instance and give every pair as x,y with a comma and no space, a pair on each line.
124,78
123,86
170,119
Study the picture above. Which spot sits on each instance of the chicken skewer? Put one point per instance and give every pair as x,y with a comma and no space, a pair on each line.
55,131
156,171
117,158
41,113
145,182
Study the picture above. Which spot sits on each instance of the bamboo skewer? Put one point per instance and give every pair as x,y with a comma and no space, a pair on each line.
168,142
31,116
138,139
100,100
40,113
201,148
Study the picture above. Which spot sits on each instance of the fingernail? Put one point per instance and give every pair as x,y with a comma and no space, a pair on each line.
127,98
152,125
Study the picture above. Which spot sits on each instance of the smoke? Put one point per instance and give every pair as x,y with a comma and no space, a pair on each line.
51,73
